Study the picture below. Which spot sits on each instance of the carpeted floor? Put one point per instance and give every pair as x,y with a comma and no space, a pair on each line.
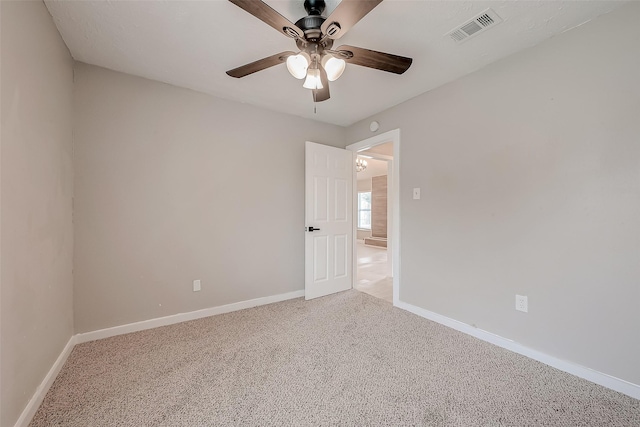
347,359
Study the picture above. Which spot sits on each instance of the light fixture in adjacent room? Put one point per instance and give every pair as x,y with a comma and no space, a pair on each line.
361,164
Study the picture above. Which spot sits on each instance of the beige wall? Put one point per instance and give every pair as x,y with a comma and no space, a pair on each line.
171,186
36,194
529,170
364,184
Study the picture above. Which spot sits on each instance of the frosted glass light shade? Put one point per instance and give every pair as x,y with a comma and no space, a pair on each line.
297,65
333,66
313,80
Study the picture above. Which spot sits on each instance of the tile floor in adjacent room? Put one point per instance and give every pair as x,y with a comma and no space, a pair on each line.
374,272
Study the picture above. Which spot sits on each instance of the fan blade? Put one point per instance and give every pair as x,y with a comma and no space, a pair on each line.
373,59
346,15
260,64
268,15
320,95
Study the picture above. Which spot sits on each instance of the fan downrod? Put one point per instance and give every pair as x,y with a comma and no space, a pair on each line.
315,7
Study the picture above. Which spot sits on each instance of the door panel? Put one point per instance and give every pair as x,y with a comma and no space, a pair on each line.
321,199
320,259
329,208
342,249
341,213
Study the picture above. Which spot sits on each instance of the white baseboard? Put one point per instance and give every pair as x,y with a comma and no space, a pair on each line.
33,405
41,391
605,380
600,378
183,317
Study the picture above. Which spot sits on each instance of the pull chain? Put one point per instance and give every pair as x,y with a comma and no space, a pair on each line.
315,102
315,92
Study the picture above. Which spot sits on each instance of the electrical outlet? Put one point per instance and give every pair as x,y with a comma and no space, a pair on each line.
196,285
521,303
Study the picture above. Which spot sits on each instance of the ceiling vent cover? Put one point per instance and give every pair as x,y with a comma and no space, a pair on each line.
475,26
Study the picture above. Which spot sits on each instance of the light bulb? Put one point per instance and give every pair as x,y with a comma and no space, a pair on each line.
313,80
333,66
297,65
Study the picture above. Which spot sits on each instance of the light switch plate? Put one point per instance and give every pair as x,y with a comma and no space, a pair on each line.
416,194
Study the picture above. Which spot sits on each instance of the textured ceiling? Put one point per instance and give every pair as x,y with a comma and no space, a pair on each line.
192,43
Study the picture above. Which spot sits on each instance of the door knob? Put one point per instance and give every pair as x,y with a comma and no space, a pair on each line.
313,229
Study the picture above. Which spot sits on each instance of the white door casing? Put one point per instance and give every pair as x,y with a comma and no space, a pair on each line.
329,207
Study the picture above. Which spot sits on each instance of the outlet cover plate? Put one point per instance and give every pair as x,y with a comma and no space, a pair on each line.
522,304
196,285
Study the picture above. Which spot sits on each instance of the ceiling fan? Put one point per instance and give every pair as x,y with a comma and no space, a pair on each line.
316,61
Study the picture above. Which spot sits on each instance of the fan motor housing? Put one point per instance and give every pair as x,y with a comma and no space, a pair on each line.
311,26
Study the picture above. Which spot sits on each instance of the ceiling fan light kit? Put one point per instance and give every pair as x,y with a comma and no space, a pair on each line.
313,80
298,65
333,66
316,61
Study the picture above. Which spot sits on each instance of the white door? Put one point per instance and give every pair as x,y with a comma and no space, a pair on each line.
329,220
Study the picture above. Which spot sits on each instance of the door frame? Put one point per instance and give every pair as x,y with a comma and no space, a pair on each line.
394,242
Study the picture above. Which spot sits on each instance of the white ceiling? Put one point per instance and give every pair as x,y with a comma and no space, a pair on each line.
192,43
385,149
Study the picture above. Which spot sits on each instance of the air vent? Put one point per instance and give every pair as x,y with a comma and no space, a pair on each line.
475,26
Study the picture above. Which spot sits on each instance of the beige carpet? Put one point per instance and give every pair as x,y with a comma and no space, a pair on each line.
347,359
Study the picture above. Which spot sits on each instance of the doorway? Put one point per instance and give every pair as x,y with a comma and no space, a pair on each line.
376,217
373,273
